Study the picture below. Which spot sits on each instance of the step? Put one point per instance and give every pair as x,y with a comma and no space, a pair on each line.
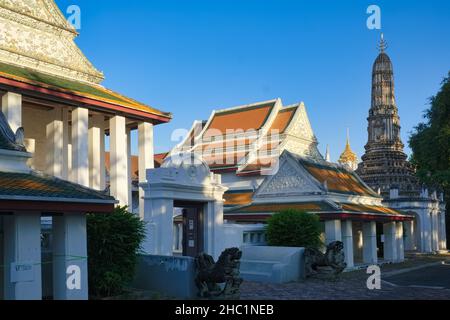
256,276
257,266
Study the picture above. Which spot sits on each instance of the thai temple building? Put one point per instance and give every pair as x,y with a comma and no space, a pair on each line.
268,159
55,116
385,168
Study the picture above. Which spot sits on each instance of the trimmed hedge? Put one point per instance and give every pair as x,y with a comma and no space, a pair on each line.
294,228
114,242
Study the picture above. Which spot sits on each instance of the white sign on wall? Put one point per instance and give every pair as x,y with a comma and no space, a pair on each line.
22,272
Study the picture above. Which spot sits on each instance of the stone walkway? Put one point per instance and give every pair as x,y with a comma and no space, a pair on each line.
352,286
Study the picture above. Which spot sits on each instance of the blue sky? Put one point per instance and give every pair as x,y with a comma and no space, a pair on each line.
190,57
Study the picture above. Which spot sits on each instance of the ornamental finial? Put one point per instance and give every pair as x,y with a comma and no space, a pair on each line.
382,46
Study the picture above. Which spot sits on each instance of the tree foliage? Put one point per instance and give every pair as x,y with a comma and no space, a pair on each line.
430,141
294,228
114,242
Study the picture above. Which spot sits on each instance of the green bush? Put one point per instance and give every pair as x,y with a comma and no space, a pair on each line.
294,228
114,241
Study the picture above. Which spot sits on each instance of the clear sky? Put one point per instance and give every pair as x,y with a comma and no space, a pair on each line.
190,57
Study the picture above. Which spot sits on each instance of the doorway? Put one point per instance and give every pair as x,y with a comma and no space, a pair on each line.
192,224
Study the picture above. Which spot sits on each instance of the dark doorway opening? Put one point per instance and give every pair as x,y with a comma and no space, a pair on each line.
191,218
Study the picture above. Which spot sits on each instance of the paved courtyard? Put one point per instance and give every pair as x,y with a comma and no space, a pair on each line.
418,278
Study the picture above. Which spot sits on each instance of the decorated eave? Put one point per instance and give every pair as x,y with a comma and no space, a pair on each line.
325,210
23,189
39,59
35,84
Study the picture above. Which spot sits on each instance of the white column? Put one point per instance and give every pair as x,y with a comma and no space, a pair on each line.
399,240
425,231
370,255
390,241
347,239
80,150
409,236
12,109
162,215
55,146
443,231
129,175
70,257
146,159
333,231
97,153
22,250
118,160
434,231
67,152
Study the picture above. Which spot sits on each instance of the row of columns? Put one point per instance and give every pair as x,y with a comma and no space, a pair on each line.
337,230
21,250
78,155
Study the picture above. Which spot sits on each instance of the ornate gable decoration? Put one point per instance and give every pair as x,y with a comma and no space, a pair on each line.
290,179
36,35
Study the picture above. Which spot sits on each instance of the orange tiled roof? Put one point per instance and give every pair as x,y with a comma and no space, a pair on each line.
276,207
246,118
238,198
76,88
283,120
370,209
338,180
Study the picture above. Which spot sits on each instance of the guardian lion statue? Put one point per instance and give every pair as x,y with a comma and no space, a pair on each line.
331,263
225,271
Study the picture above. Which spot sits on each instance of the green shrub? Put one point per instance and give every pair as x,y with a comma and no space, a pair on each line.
114,241
294,228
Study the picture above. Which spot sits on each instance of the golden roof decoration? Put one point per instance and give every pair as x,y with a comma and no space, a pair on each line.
348,156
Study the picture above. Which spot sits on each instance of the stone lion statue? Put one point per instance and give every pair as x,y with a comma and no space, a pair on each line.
330,263
225,271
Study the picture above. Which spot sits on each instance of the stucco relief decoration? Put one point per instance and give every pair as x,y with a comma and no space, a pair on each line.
286,180
42,39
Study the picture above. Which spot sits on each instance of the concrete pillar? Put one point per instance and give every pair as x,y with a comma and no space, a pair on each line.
443,234
410,240
118,160
67,152
370,255
400,242
129,173
1,260
22,253
333,231
97,153
425,232
347,239
146,159
12,109
80,149
55,147
162,216
213,228
434,231
390,242
70,257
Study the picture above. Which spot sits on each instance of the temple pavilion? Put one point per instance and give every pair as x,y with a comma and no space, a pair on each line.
268,158
55,115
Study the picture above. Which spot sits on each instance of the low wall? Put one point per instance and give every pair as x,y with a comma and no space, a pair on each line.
238,235
170,276
272,264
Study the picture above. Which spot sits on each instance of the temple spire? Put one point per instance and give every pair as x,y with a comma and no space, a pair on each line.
348,157
382,46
